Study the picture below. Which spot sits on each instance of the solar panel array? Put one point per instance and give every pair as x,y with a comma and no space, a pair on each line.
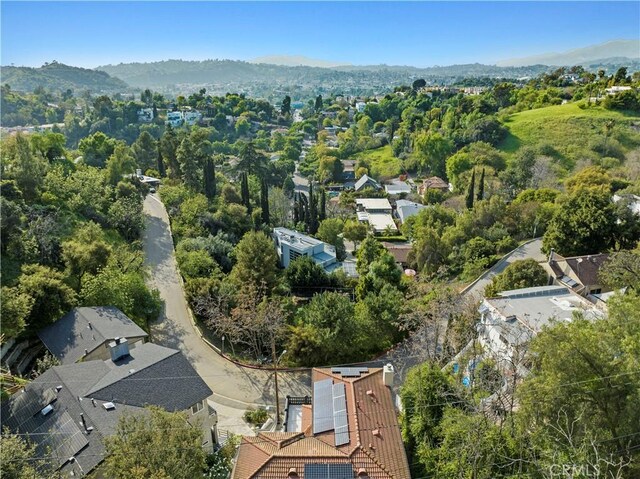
350,372
322,406
328,471
60,438
340,421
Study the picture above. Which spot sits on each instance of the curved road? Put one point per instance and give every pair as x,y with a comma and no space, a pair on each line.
234,387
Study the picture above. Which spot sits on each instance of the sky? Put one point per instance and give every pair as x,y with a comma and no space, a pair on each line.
90,34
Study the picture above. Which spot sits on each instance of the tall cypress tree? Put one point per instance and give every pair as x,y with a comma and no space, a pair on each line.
264,202
244,190
296,210
322,215
313,211
209,179
481,187
161,169
470,190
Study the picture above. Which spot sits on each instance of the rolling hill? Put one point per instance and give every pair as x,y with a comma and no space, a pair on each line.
58,76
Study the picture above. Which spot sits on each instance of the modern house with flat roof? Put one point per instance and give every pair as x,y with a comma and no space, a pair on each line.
68,411
348,429
510,320
397,187
377,213
291,244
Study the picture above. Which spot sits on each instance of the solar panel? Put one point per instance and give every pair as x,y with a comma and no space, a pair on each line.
340,421
59,437
350,372
322,406
328,471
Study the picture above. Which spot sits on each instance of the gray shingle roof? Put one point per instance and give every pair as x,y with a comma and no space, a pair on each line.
87,328
364,180
162,377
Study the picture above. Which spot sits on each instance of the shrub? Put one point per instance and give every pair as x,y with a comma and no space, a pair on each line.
256,417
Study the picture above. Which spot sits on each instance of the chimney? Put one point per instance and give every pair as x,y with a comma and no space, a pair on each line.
387,375
84,422
551,256
119,348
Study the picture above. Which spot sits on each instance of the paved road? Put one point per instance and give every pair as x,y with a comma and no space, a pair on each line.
233,386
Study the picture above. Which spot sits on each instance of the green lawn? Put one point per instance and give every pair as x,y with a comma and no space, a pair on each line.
382,162
565,126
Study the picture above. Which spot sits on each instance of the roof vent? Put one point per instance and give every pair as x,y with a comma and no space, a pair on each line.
293,472
58,388
362,472
109,406
370,392
376,432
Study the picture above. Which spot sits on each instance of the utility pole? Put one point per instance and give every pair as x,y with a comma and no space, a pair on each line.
275,375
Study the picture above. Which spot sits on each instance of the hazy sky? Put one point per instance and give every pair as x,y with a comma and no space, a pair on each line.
422,34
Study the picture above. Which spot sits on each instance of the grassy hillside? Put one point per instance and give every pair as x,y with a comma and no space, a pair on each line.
59,77
382,163
568,128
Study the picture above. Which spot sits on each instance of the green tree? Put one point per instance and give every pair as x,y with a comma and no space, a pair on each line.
126,216
480,196
584,223
15,309
622,270
264,202
145,151
169,144
244,191
470,195
285,109
369,251
433,149
18,458
160,161
52,298
256,261
519,274
19,163
330,231
355,231
158,445
209,179
318,104
120,163
305,274
86,253
96,149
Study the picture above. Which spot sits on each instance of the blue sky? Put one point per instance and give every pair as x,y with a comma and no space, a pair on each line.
422,34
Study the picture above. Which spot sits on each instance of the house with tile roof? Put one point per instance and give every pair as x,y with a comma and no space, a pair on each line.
68,411
349,430
84,334
434,183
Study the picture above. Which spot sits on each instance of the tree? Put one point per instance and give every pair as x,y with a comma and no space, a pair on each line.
305,274
470,195
622,270
86,253
96,149
285,109
126,216
169,144
15,309
244,191
145,151
519,274
480,196
355,231
584,223
209,179
52,298
433,149
160,161
19,163
419,83
330,231
370,250
318,104
19,459
120,163
264,202
158,445
256,261
251,161
312,217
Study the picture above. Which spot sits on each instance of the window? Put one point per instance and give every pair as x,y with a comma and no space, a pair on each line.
197,407
596,291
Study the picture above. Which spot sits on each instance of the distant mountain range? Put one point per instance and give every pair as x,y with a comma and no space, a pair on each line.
301,76
297,61
628,50
58,76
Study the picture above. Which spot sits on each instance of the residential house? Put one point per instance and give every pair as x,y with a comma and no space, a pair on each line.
614,90
435,183
376,212
68,411
509,321
365,181
406,209
174,118
145,115
349,430
291,244
84,334
399,251
397,187
348,170
360,106
192,117
580,273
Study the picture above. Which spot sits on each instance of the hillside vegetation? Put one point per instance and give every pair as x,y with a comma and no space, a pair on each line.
59,77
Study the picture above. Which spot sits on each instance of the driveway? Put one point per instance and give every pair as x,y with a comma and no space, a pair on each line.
233,386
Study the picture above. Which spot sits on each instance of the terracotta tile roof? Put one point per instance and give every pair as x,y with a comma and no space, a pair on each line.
375,443
434,182
306,419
